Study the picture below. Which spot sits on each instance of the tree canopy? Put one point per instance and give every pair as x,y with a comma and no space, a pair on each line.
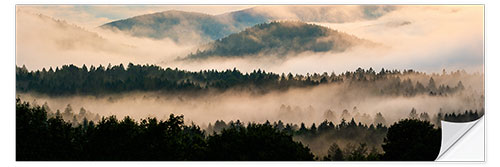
41,138
412,140
279,38
73,80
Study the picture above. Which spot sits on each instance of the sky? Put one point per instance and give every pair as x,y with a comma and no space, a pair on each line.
420,37
96,15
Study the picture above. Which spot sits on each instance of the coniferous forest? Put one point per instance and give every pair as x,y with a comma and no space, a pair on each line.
41,138
44,134
72,80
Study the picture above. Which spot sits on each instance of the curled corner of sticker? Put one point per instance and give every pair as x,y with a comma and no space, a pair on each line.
462,141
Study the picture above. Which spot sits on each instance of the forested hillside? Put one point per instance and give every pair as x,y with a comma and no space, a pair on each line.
180,25
176,25
281,38
72,80
40,137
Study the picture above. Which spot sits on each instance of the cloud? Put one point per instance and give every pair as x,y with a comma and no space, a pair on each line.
425,38
43,42
324,13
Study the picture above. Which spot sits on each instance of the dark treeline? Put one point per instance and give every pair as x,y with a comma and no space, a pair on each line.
342,129
316,136
347,135
406,140
39,137
467,116
73,80
70,80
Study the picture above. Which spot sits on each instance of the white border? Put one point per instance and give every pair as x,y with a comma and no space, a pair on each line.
7,87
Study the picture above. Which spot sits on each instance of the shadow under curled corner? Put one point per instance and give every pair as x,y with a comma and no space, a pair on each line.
462,141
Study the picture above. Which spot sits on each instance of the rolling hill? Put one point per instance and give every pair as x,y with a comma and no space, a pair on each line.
281,39
180,26
173,24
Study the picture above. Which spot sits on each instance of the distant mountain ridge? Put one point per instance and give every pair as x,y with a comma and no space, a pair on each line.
180,25
173,24
283,38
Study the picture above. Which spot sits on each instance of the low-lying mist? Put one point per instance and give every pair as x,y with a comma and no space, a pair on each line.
43,41
358,101
308,105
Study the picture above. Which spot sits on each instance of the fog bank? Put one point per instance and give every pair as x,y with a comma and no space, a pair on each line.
308,105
